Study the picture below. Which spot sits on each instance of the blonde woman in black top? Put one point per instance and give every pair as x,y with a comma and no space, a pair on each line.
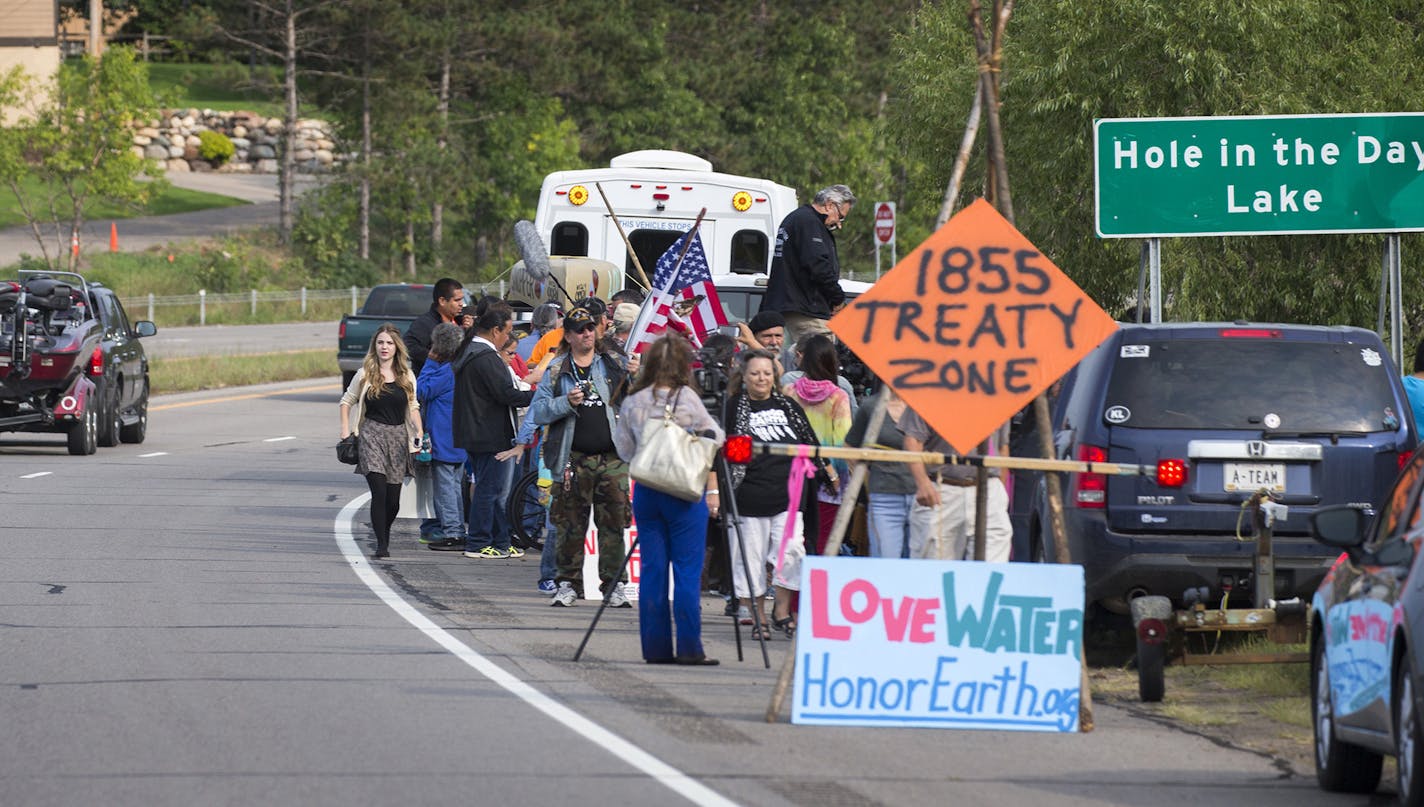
388,422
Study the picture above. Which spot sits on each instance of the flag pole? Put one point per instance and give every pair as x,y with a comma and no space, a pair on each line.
640,325
637,264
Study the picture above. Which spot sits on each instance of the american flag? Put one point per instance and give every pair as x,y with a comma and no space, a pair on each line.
685,301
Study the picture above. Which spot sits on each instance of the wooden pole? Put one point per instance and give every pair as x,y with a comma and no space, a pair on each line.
961,161
637,264
972,460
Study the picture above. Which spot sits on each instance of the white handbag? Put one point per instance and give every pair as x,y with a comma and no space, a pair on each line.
672,460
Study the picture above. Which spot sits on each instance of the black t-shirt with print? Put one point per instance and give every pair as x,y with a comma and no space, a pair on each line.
591,432
763,491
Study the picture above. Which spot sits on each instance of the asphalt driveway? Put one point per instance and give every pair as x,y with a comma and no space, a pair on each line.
137,234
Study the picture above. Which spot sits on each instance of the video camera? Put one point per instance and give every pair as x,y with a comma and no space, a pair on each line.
715,358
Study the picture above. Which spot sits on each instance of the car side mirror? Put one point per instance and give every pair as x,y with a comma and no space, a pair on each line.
1340,527
145,328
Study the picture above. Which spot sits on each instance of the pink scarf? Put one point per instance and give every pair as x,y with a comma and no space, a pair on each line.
802,468
814,392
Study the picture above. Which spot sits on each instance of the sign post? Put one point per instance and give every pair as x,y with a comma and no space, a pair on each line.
884,232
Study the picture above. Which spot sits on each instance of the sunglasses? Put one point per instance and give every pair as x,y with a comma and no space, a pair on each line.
577,329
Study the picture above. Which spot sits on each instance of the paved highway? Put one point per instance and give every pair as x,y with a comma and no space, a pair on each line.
193,621
223,340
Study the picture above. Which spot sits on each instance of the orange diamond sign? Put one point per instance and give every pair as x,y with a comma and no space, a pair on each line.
972,325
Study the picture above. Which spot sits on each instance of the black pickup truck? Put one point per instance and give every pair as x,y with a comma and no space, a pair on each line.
71,362
396,303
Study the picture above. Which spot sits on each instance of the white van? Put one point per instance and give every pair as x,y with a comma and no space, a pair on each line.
657,195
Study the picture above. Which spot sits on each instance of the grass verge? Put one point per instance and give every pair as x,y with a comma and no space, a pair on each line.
226,87
190,374
172,200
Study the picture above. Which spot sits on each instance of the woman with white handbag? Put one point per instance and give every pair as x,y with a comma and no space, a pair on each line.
669,441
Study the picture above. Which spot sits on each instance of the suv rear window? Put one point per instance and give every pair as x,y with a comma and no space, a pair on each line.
1235,383
397,301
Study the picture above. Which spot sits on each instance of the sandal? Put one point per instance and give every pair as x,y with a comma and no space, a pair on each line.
761,633
786,624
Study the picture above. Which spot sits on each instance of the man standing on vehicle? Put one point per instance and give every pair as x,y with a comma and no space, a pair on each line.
805,270
485,399
577,402
449,301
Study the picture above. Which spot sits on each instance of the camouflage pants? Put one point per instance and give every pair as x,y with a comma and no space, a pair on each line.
600,483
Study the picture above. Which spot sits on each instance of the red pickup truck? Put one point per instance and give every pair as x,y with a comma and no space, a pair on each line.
71,362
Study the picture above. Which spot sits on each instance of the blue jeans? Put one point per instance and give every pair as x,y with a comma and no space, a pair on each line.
670,532
489,520
548,565
889,519
445,478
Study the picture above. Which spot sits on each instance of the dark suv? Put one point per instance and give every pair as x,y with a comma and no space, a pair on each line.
1317,415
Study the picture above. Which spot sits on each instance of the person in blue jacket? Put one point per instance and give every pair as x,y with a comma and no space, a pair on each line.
1414,387
435,388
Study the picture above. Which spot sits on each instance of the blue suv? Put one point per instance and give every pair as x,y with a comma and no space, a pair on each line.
1315,414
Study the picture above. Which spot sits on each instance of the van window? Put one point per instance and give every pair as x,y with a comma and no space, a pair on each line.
569,238
749,251
739,306
1235,383
649,245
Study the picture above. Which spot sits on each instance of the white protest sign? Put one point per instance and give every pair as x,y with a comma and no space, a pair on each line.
938,644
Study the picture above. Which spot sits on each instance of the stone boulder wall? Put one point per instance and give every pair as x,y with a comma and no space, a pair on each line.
172,140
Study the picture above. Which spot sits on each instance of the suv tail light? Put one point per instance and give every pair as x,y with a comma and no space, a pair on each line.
1090,491
96,362
1171,473
341,332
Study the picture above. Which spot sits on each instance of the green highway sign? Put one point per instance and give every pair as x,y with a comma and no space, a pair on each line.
1259,175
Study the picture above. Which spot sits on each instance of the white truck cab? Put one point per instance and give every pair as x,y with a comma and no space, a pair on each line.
657,195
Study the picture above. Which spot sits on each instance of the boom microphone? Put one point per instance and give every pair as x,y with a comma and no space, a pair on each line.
531,249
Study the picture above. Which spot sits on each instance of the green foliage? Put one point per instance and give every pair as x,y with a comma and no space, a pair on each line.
1068,62
76,142
215,147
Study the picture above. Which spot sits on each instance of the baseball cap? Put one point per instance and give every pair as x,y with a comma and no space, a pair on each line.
596,308
579,320
624,315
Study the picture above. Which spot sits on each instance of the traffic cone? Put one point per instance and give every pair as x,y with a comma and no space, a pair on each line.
74,243
113,237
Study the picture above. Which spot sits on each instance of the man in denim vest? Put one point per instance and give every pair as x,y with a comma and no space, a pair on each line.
578,403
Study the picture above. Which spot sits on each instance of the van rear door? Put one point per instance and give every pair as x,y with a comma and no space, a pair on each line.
1307,415
652,237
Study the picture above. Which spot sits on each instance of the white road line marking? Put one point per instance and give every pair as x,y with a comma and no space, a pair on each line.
153,454
665,774
47,473
278,439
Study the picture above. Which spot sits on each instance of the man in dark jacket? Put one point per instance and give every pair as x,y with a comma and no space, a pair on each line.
448,301
804,285
483,421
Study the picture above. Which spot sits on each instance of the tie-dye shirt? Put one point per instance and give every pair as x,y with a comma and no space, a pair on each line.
830,418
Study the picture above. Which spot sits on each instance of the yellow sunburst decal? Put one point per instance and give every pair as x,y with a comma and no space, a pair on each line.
578,194
741,201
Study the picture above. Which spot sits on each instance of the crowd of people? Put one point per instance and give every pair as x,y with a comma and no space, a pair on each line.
568,397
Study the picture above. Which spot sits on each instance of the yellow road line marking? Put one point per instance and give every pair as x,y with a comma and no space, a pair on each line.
319,388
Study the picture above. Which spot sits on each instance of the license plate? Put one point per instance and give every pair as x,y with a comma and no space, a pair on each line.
1252,476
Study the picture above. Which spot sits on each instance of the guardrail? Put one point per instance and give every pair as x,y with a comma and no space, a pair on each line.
305,301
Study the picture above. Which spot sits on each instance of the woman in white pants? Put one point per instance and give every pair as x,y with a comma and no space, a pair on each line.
757,408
